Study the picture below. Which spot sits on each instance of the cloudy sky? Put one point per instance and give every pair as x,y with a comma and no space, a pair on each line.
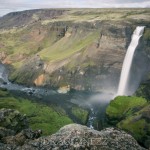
18,5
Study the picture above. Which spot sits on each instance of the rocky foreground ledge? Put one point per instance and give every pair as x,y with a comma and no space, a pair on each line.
69,137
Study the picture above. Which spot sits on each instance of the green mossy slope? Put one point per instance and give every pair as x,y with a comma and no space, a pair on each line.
80,113
123,106
40,116
131,114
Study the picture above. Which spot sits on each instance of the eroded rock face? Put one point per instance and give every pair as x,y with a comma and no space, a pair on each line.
40,80
29,72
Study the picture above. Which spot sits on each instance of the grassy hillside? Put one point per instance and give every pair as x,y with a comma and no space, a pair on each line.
43,34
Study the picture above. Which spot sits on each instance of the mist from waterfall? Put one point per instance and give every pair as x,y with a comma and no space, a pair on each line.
125,73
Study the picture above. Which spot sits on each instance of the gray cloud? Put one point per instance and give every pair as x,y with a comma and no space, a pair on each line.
17,5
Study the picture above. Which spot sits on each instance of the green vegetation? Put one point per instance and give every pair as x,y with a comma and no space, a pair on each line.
47,118
68,46
3,93
22,76
80,113
138,125
123,106
147,34
131,114
81,15
144,91
60,40
51,47
136,128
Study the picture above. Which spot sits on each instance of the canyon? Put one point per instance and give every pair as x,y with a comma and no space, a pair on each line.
66,63
57,48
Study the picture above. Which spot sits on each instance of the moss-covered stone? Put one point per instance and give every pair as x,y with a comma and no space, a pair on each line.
133,115
123,106
80,114
12,119
138,124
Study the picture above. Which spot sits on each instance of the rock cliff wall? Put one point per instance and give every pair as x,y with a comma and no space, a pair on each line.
80,48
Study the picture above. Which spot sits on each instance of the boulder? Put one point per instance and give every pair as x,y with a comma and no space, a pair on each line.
64,89
80,137
12,119
70,137
22,137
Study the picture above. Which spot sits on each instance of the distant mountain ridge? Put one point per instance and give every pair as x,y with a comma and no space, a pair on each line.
21,18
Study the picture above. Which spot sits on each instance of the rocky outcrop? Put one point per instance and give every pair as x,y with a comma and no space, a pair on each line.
73,136
28,74
13,120
39,81
80,137
14,128
64,89
22,137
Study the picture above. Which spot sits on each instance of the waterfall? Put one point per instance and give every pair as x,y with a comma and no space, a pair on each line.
125,73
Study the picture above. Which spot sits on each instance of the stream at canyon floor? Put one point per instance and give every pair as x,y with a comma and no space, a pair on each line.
95,102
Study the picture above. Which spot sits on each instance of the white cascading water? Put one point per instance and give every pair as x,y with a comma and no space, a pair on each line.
128,61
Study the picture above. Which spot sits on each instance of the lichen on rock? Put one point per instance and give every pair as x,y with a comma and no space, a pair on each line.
80,137
12,119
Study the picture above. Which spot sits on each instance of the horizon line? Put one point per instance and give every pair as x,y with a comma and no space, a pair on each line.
30,9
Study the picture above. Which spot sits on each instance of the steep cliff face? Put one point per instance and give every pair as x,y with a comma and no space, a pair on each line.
80,48
144,89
